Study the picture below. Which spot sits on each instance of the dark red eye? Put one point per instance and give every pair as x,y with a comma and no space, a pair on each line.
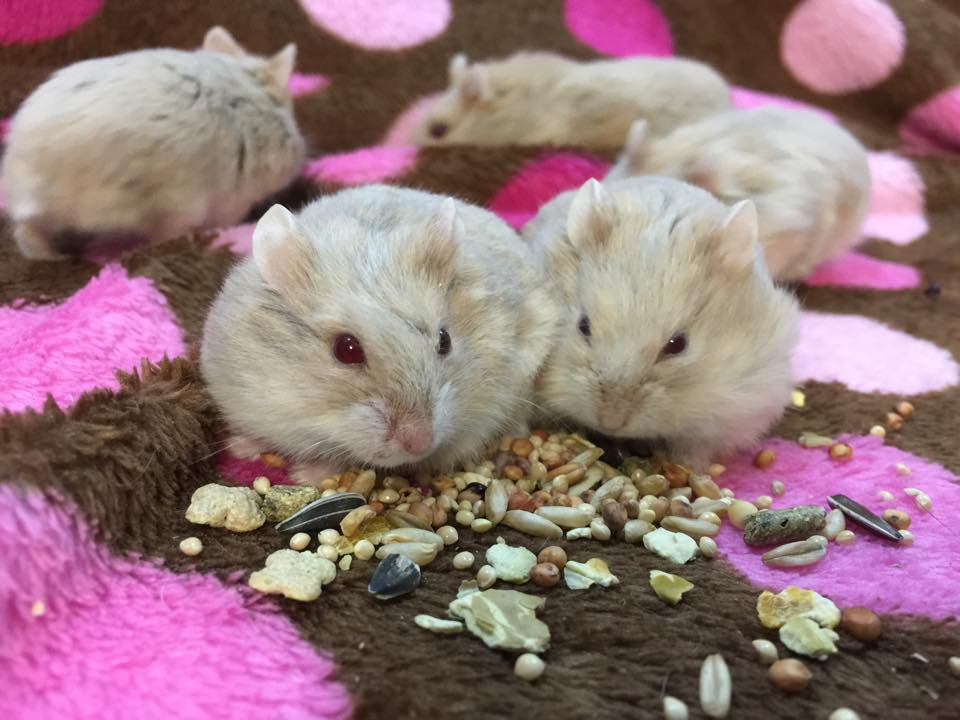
438,130
584,326
675,345
444,343
348,350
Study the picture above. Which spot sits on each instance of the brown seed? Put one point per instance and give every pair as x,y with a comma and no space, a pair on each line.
841,451
904,409
765,458
521,447
894,421
790,675
554,555
422,512
545,574
614,515
704,486
439,518
660,507
513,472
679,508
540,498
273,460
542,434
521,500
632,508
862,623
377,506
900,519
677,475
655,485
563,470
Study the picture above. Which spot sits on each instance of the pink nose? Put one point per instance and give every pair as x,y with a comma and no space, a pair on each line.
415,435
612,419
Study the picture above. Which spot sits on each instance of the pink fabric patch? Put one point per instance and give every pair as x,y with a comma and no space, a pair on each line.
934,125
862,271
116,634
401,130
367,165
301,84
380,24
896,200
747,99
77,345
874,572
838,46
868,356
29,21
542,180
619,27
243,471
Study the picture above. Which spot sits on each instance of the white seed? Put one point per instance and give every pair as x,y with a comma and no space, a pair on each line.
328,492
923,502
766,651
420,553
529,667
565,517
878,431
486,577
191,546
495,501
610,489
464,518
708,547
739,511
261,485
777,488
481,525
834,524
906,538
727,492
363,550
681,492
797,554
584,533
912,492
599,530
38,608
412,535
694,528
299,541
329,552
674,708
329,537
846,537
715,687
763,502
903,468
844,714
954,664
449,534
704,505
646,514
710,517
463,560
885,495
634,530
346,562
531,524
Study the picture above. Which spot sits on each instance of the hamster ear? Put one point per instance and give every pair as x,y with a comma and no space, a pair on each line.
737,244
474,84
591,216
279,251
219,40
457,67
280,66
434,250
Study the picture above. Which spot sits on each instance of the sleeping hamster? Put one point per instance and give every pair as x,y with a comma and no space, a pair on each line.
673,330
539,98
808,177
384,327
154,143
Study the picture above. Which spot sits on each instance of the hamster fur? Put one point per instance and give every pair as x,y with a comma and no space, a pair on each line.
647,266
540,98
808,177
153,142
393,268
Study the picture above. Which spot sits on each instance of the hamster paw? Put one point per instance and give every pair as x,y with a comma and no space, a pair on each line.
313,474
244,448
34,244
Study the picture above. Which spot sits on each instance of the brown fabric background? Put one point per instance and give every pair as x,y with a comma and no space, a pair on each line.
131,459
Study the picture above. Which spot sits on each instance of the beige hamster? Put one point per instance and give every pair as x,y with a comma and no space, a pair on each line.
540,98
383,327
153,142
808,177
673,330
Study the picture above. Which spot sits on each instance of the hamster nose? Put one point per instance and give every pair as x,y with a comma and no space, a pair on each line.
415,435
612,419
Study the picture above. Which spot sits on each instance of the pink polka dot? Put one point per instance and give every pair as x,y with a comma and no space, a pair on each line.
380,24
855,270
619,27
747,99
542,180
301,84
77,345
934,126
868,356
896,200
23,21
874,572
838,46
368,165
119,634
401,130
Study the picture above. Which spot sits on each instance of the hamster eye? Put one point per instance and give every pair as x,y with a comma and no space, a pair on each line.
444,343
438,130
675,345
348,350
584,326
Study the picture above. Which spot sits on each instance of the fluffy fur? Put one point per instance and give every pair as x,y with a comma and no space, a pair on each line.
643,260
154,142
391,267
808,177
540,98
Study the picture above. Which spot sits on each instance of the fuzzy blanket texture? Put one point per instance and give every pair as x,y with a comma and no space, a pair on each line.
106,429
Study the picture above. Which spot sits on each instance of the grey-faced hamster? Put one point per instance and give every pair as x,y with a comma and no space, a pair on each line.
384,327
808,177
539,98
673,330
154,142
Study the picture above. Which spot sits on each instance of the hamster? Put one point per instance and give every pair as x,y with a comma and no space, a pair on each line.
540,98
673,331
808,177
382,327
154,143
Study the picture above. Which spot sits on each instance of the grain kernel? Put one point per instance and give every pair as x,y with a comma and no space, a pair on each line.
861,623
878,431
904,409
191,546
777,488
900,519
765,458
553,554
790,675
766,651
846,537
763,502
299,541
463,560
841,451
894,421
